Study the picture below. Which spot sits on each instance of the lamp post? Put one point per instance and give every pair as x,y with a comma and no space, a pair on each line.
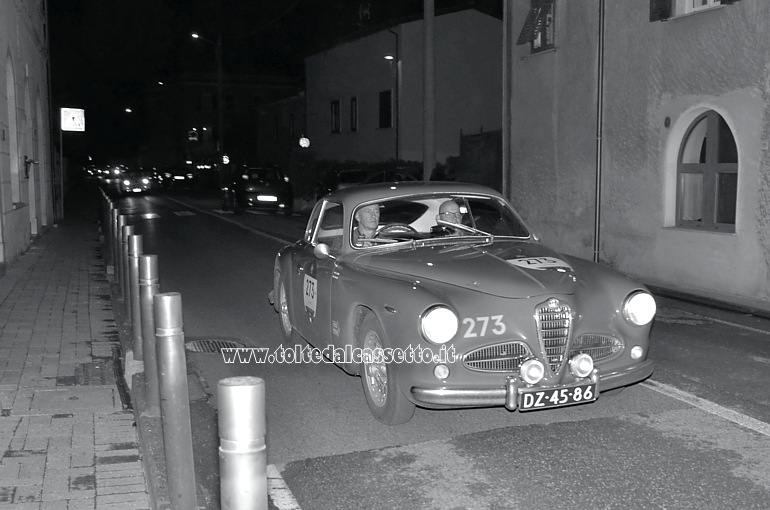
220,99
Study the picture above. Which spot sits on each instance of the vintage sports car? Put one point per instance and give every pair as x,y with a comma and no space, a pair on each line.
466,309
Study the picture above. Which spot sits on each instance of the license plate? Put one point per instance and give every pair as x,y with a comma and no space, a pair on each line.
557,397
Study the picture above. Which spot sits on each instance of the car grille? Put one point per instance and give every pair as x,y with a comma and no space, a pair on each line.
554,323
505,357
599,347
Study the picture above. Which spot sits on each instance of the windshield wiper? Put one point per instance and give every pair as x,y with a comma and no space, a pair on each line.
465,228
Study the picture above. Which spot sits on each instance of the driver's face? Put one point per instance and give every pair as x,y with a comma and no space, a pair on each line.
369,216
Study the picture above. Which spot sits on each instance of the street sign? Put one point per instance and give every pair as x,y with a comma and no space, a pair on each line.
73,119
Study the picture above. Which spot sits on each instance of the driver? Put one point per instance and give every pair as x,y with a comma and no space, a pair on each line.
449,212
368,218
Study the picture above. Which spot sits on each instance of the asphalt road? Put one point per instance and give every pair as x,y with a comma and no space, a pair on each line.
695,435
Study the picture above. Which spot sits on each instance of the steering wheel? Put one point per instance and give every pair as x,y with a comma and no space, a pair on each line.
394,228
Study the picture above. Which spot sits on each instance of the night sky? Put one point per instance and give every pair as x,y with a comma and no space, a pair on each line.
105,54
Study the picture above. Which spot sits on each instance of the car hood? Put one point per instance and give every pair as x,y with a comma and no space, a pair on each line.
509,269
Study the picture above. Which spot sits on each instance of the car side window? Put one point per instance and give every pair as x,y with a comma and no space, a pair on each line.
329,229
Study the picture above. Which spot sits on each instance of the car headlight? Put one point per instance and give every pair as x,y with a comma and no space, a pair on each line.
126,182
439,325
146,181
639,308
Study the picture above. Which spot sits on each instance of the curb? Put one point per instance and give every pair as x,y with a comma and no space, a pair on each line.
709,301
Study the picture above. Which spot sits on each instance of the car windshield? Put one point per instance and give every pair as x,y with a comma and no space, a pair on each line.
263,174
425,217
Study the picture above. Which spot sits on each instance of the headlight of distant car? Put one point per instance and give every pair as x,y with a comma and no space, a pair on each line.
639,308
145,181
126,182
439,325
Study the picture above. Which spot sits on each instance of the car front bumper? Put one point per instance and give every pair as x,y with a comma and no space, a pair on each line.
507,395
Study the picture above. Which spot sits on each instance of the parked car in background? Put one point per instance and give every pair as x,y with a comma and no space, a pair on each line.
260,188
456,307
357,176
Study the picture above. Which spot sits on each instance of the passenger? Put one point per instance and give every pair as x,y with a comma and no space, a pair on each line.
368,219
449,212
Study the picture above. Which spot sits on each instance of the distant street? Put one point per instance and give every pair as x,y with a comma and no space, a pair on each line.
695,435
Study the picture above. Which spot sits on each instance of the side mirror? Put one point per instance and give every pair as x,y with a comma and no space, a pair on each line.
321,251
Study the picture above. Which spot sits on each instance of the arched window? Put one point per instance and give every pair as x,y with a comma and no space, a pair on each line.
707,176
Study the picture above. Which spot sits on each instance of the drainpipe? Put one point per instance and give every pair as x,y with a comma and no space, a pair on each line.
507,80
599,126
398,86
429,107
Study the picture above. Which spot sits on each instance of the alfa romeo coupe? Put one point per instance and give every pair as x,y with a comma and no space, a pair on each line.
458,309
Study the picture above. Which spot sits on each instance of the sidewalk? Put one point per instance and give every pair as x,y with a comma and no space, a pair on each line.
68,433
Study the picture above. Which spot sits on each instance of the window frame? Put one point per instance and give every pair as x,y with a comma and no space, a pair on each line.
383,110
335,117
710,169
353,114
662,10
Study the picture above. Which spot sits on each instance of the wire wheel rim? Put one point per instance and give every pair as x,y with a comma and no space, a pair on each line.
375,373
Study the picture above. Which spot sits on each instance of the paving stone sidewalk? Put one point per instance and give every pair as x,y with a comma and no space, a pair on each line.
68,437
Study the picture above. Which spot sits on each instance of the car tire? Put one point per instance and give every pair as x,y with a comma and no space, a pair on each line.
383,395
283,311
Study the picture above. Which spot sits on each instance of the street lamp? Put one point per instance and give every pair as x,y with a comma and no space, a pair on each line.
220,100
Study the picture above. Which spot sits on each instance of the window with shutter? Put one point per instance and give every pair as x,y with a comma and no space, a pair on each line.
538,26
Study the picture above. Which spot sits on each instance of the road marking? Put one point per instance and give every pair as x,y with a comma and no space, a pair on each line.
252,230
184,213
709,407
672,318
748,328
279,492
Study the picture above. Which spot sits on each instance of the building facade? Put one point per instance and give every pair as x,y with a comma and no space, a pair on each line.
637,134
365,97
26,161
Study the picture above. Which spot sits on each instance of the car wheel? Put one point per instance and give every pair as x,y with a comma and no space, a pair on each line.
383,394
283,311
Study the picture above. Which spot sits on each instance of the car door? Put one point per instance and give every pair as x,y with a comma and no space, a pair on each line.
313,277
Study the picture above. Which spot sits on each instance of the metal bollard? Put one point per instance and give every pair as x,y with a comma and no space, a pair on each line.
174,400
115,225
148,287
242,455
128,230
135,247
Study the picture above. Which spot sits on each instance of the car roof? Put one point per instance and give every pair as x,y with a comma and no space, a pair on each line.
362,193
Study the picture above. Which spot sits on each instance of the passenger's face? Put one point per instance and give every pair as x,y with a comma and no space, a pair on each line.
451,212
369,216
